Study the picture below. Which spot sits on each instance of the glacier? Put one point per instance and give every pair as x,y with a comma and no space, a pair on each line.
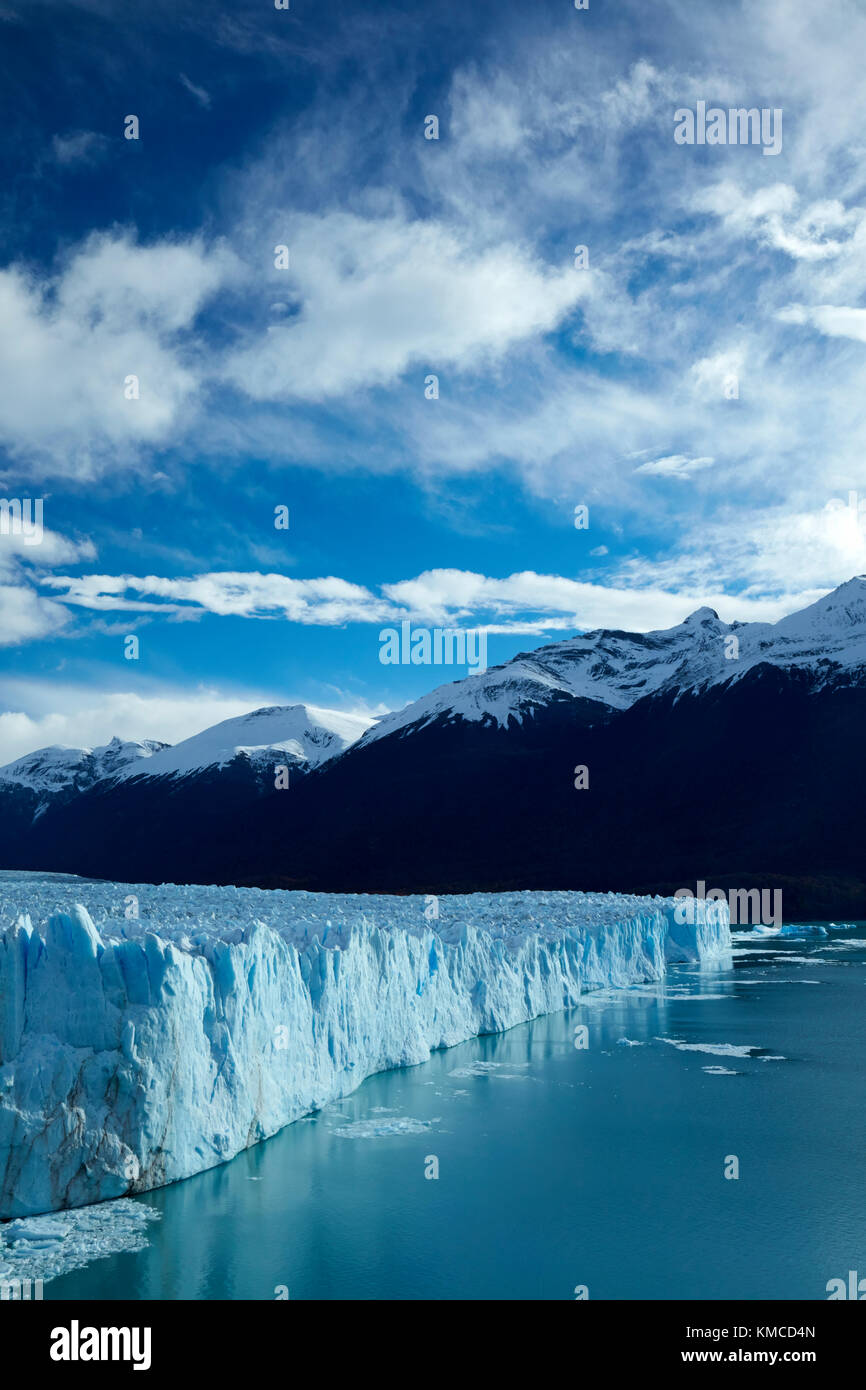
150,1032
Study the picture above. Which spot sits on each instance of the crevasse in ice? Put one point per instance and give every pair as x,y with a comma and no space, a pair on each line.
137,1051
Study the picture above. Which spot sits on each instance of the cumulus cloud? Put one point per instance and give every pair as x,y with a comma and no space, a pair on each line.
457,260
376,296
115,309
773,215
26,616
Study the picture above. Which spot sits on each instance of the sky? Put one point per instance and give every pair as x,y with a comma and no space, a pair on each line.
694,377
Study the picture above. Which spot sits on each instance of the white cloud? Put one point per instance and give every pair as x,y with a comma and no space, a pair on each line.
531,602
324,602
675,466
40,714
26,616
794,554
449,595
68,345
79,147
201,96
51,549
378,296
771,214
694,263
835,321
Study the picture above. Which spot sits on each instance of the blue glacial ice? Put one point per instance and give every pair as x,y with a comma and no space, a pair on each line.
148,1033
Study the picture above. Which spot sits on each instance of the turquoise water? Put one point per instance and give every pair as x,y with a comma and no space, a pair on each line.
560,1167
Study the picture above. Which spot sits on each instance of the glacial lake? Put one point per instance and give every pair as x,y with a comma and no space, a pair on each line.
560,1166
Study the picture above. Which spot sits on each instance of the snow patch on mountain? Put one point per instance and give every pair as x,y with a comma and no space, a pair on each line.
139,1049
291,734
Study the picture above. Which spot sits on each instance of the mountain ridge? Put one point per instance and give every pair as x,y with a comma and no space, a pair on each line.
702,770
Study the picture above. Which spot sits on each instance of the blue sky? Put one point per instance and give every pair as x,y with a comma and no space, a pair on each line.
608,386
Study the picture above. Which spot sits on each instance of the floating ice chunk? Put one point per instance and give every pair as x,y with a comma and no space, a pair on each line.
505,1071
381,1129
40,1247
717,1049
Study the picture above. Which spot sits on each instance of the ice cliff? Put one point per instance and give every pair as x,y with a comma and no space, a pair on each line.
148,1033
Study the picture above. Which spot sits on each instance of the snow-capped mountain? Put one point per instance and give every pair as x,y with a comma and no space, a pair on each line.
709,749
294,734
304,734
618,668
58,768
231,763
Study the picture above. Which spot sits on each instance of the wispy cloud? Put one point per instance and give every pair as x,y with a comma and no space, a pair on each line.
201,96
674,466
79,147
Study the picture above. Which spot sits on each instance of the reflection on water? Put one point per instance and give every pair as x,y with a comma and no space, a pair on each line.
560,1165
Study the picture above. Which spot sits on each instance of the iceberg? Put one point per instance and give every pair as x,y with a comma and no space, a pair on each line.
150,1032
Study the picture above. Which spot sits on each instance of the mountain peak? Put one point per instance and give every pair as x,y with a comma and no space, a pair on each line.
301,735
61,766
701,617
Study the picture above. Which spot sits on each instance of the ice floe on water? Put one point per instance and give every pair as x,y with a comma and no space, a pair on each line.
724,1050
505,1071
43,1247
792,929
767,980
721,1071
629,1042
381,1129
807,960
717,1049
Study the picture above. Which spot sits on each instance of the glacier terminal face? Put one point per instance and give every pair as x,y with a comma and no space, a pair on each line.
148,1033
